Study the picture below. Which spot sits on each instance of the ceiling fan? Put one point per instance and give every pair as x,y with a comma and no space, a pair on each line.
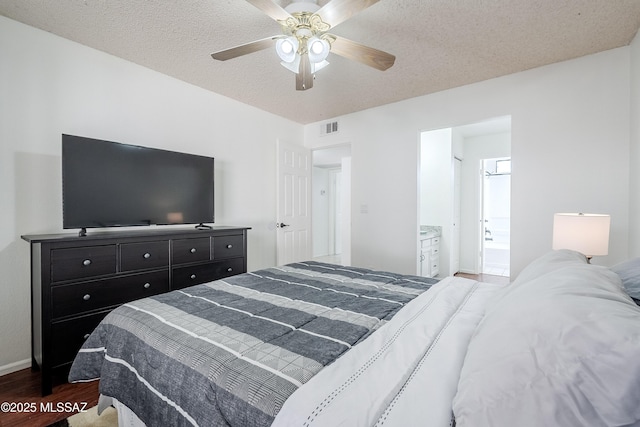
305,42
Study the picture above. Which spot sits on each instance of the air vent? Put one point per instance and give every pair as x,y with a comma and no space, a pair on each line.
328,128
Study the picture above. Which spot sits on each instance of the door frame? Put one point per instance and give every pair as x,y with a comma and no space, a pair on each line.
483,206
345,198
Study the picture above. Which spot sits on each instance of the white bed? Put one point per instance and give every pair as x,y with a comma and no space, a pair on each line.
560,346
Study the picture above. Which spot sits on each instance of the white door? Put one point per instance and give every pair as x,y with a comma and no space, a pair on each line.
483,216
455,228
294,204
335,212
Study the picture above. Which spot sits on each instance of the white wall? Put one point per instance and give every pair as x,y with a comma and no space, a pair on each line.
634,157
320,214
436,188
435,177
345,211
50,86
570,148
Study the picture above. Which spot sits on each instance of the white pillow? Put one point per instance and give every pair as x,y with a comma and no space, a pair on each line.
560,349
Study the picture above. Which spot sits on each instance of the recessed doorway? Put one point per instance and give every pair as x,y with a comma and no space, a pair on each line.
450,193
331,204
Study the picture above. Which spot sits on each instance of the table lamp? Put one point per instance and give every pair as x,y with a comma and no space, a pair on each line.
585,233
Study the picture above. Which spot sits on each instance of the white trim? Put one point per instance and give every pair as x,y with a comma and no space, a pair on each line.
15,366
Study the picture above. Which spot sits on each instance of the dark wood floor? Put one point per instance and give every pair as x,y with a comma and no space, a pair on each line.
489,278
23,387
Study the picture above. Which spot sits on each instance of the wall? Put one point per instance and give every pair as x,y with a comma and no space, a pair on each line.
51,86
320,214
345,213
436,188
570,148
634,155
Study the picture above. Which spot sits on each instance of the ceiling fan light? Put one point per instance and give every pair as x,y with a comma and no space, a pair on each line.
293,65
316,66
287,48
318,49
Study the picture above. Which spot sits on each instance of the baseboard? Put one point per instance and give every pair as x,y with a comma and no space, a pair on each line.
466,271
15,366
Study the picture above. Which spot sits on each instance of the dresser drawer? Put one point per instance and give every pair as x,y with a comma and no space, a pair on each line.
76,263
68,336
434,266
81,297
228,246
190,250
144,255
203,273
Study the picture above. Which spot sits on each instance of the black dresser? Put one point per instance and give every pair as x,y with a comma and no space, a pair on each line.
76,281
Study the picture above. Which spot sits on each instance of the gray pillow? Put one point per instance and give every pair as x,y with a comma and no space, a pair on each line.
629,273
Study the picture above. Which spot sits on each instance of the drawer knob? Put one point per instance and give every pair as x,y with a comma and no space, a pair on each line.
86,336
146,255
193,250
147,285
229,246
193,276
229,269
86,297
86,262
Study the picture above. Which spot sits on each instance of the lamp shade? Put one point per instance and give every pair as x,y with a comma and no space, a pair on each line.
287,48
318,49
294,65
585,233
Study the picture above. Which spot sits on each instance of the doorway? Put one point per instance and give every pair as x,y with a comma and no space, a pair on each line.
331,201
496,216
450,191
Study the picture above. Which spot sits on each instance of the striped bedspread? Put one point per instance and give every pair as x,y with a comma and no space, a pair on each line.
230,352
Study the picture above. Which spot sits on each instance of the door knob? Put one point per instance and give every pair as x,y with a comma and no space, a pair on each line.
282,225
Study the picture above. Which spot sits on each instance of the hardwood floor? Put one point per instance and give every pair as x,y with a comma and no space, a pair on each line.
489,278
22,391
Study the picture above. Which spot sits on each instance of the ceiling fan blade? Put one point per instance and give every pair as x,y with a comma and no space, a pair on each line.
244,49
358,52
304,78
337,11
272,9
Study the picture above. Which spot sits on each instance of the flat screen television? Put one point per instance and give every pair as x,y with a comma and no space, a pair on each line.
109,184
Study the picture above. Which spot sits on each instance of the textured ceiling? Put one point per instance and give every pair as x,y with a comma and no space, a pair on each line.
438,44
